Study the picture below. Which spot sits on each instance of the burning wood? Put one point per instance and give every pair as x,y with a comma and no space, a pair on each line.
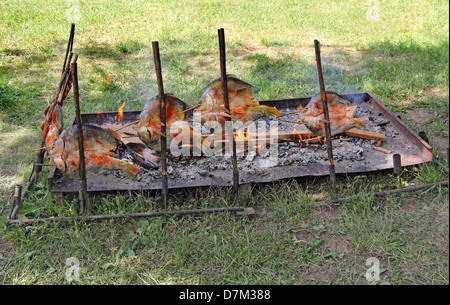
143,155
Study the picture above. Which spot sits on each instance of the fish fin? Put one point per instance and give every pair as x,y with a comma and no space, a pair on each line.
127,168
158,122
224,114
159,133
238,111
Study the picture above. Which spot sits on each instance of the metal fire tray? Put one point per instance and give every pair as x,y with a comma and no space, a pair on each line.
412,148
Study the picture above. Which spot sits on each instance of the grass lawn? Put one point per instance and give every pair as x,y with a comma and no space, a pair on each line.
398,50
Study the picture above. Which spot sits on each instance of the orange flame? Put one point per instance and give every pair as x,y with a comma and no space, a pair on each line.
241,134
119,116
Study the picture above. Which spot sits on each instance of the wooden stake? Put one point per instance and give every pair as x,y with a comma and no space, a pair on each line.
397,159
82,191
326,116
223,72
163,106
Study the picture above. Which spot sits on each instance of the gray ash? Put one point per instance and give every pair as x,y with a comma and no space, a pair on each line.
346,150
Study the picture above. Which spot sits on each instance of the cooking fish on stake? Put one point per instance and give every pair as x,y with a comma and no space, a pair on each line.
312,115
98,147
149,123
54,116
243,105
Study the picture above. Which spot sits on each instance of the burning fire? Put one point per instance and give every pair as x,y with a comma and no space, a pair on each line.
241,134
119,116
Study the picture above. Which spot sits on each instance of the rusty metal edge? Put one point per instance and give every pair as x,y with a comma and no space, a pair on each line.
423,146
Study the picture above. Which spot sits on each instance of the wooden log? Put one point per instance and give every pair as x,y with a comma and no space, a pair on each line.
365,134
313,140
249,141
384,150
295,133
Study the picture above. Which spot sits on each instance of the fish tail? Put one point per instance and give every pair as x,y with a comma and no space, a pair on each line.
357,123
127,168
203,144
268,111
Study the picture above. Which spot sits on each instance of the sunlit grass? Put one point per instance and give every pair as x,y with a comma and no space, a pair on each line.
402,59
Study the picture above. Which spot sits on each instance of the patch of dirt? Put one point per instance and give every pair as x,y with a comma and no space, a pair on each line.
417,118
6,248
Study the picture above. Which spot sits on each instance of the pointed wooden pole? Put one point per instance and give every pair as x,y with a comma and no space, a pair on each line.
326,116
82,192
162,100
223,72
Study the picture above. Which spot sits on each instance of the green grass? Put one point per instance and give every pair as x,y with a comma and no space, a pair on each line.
402,59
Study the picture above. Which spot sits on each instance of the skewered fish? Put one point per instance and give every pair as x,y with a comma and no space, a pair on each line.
243,105
149,126
313,117
98,147
54,118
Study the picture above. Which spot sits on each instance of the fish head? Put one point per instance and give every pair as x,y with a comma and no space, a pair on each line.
57,153
144,134
314,123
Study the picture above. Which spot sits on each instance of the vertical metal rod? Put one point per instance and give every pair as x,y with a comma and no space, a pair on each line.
162,101
326,117
424,137
223,72
82,192
448,161
397,160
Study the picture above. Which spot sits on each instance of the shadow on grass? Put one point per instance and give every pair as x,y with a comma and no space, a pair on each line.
405,69
288,76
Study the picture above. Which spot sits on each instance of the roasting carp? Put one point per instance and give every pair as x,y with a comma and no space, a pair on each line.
54,121
243,105
337,105
313,117
149,126
338,124
98,147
